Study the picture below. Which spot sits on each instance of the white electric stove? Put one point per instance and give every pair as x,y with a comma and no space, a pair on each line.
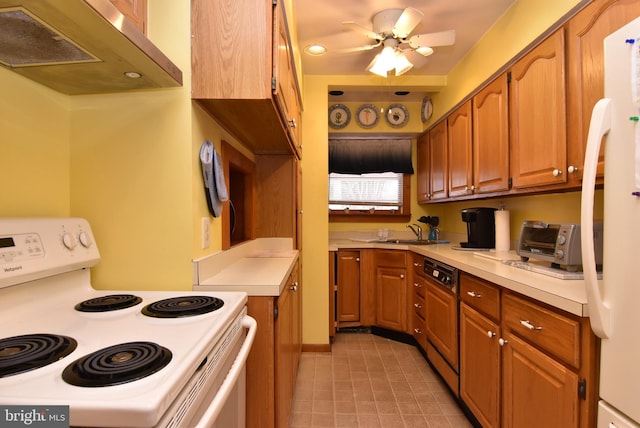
116,358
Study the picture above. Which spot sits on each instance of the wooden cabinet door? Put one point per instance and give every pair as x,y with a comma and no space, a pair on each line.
296,323
480,366
391,298
422,169
442,321
537,391
538,116
460,165
438,161
284,357
491,137
585,48
348,295
135,11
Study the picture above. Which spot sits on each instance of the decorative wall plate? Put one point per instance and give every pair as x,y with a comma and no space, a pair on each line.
367,116
339,116
427,109
397,115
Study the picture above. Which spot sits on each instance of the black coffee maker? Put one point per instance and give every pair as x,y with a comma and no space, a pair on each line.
481,229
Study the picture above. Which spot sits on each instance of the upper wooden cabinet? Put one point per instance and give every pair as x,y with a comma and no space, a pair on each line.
243,72
135,11
538,116
460,153
422,169
438,177
585,50
491,138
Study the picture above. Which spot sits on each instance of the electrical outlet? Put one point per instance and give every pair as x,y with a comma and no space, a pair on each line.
206,233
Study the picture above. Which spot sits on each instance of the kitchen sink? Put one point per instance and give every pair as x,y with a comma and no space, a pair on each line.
412,242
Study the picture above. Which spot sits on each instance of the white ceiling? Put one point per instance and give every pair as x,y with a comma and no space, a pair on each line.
320,22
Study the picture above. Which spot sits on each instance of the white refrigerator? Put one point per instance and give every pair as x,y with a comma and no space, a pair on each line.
614,301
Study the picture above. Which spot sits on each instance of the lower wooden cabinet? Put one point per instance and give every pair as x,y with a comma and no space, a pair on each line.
272,364
391,290
525,364
348,288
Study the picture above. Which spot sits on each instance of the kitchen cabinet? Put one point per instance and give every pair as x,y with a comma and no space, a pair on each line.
273,361
522,363
585,59
491,138
538,151
135,11
243,72
459,149
438,175
423,175
348,288
418,310
391,289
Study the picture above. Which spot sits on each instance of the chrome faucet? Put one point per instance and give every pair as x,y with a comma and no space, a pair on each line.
417,232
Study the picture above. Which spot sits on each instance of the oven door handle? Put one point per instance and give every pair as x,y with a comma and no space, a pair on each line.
214,409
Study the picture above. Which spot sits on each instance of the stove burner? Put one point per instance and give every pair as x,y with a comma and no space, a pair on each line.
117,364
184,306
108,303
20,354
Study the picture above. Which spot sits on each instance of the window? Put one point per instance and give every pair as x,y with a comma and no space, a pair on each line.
369,197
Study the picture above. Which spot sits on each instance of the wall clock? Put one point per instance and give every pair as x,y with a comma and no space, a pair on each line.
339,116
397,115
367,116
427,109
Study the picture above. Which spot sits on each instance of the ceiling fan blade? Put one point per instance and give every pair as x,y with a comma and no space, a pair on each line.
443,38
354,26
409,19
358,48
415,58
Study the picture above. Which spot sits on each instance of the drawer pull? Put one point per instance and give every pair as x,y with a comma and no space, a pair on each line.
502,341
490,334
474,294
530,326
417,305
417,331
417,285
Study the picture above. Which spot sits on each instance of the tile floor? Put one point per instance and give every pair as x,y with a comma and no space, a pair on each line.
371,381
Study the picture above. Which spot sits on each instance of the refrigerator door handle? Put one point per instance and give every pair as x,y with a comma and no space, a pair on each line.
599,315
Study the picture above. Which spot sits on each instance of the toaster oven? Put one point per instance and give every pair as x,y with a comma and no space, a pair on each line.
557,243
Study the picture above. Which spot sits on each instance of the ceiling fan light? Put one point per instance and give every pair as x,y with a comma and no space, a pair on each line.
376,68
424,50
387,58
402,64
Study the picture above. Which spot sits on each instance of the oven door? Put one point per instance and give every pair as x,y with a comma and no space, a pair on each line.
216,394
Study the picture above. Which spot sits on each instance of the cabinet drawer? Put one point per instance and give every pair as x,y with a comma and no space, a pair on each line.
557,334
419,285
480,295
417,262
419,305
418,330
391,258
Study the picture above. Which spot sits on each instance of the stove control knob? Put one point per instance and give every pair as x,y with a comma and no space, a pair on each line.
69,241
85,239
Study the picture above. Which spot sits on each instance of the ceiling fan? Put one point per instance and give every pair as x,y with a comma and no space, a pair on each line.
391,29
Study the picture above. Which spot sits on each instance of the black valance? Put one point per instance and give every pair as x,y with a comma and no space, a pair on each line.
363,156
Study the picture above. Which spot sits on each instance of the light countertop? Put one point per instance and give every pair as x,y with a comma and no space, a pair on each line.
568,295
259,268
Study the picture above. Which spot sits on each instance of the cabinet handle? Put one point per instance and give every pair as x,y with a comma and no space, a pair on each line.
416,264
417,331
557,172
293,123
357,259
572,169
474,294
502,341
490,334
401,276
530,326
417,305
417,285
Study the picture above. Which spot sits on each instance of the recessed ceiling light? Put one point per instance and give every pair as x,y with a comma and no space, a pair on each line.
336,93
315,50
402,93
133,74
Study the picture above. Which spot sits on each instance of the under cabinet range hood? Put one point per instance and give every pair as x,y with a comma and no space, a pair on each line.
80,47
